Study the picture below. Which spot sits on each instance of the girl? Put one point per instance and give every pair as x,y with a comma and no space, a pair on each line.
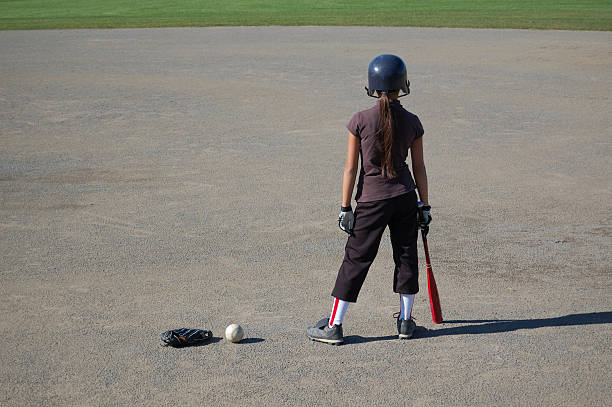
386,196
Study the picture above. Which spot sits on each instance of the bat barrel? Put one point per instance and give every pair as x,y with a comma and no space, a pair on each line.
434,299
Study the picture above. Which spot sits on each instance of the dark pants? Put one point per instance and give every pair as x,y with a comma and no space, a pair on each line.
371,219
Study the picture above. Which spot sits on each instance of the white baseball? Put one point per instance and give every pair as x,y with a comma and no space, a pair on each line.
234,333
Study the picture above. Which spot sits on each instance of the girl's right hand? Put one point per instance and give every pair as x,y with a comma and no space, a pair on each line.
423,217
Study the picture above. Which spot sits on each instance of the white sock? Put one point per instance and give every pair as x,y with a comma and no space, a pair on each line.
338,310
406,305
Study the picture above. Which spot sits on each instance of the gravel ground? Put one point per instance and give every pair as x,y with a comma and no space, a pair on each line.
162,178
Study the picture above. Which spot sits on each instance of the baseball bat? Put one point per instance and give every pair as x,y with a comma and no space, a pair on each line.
434,299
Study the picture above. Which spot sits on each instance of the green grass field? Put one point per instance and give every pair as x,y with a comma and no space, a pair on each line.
538,14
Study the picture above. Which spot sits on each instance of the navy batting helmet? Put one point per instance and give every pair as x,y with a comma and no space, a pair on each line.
387,73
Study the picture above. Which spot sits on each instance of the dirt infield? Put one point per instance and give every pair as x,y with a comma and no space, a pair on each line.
163,178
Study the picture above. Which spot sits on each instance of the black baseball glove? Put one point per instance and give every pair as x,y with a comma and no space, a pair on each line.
185,336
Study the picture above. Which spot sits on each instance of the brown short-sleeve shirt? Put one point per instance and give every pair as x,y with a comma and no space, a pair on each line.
365,125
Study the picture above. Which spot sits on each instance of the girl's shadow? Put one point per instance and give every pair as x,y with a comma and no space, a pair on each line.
490,326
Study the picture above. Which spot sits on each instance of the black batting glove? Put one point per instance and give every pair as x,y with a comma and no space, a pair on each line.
346,219
423,217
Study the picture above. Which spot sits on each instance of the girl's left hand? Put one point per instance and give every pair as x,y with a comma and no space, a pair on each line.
346,219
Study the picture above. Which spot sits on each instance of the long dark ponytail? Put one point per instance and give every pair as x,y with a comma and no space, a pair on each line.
386,137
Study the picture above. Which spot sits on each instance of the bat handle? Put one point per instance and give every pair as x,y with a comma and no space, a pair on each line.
426,249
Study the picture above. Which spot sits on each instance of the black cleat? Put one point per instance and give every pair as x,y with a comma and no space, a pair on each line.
322,332
405,328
